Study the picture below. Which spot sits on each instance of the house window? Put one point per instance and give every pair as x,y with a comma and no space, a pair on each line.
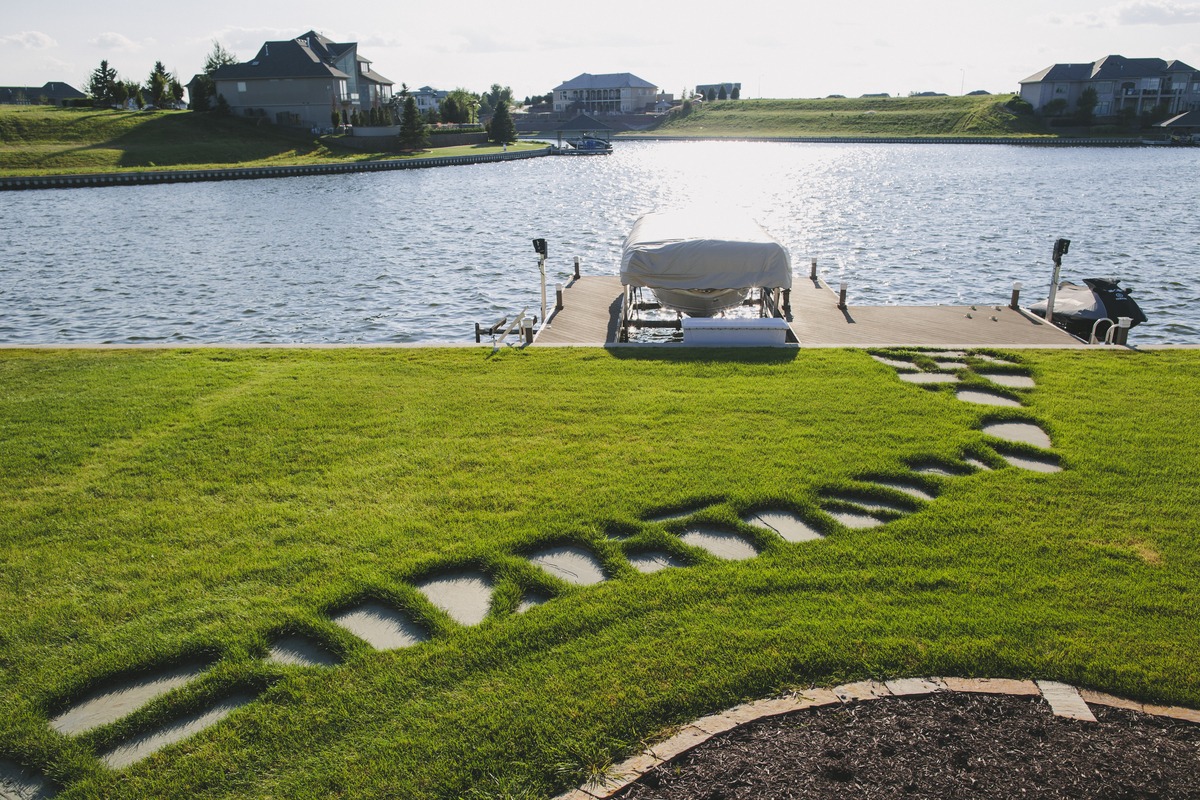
1104,87
241,86
1060,89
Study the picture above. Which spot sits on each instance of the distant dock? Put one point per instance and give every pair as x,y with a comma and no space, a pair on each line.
591,309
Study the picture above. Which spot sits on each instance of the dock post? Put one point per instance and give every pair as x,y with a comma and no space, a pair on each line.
576,267
527,330
842,297
813,273
1121,335
558,297
1015,302
787,300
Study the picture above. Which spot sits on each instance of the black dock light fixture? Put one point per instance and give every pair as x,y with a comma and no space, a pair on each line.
1061,246
539,247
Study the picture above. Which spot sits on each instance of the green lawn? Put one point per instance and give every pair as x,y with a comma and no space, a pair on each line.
37,140
159,505
883,117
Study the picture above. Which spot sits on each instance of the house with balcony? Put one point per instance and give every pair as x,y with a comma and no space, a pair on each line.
428,99
1123,85
301,81
616,93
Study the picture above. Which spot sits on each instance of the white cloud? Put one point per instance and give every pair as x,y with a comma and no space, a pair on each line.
30,40
115,41
1157,12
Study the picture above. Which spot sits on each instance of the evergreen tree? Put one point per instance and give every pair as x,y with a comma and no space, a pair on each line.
1088,100
202,93
736,94
503,130
100,85
218,57
450,110
120,93
413,135
721,94
158,85
176,90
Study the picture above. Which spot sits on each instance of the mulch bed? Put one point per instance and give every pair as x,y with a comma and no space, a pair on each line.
940,746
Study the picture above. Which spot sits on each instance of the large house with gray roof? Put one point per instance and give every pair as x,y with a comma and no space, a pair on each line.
54,93
617,93
301,81
1123,85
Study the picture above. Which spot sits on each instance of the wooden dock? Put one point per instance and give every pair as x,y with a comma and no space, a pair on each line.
592,309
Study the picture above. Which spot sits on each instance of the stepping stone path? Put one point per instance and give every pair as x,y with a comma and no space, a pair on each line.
19,783
653,561
141,746
298,651
380,626
111,704
571,564
788,525
721,543
466,595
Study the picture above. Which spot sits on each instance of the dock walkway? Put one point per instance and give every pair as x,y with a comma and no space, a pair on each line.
592,308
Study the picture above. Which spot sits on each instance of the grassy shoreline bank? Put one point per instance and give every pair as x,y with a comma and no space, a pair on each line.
192,503
43,141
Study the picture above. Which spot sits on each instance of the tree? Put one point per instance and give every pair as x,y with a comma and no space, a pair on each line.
120,93
100,84
490,100
711,95
203,90
158,85
413,135
465,107
736,94
502,130
218,57
1055,107
176,90
1088,100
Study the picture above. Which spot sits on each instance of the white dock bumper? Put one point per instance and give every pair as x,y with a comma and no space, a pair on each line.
720,332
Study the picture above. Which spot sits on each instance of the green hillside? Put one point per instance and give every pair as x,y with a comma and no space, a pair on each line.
983,115
45,140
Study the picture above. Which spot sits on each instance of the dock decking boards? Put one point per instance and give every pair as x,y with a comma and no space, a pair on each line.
592,307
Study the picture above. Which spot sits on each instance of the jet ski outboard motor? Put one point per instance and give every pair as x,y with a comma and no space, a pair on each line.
1077,309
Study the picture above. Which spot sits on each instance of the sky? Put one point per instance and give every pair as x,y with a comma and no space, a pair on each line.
781,49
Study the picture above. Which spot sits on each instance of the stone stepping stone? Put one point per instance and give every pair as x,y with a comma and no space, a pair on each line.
870,504
19,783
531,600
903,366
570,563
956,355
852,520
1023,432
909,489
110,704
977,464
381,626
465,596
653,561
300,651
1030,463
1011,381
138,748
928,377
950,364
721,543
986,398
790,526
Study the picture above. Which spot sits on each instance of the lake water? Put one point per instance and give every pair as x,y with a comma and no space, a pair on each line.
419,256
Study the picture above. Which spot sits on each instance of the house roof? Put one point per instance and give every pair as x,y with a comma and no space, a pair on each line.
53,90
1108,68
310,55
613,80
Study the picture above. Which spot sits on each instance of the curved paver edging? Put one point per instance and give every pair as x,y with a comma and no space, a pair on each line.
250,173
1064,700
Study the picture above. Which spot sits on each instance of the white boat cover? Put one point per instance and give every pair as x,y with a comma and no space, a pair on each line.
686,250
